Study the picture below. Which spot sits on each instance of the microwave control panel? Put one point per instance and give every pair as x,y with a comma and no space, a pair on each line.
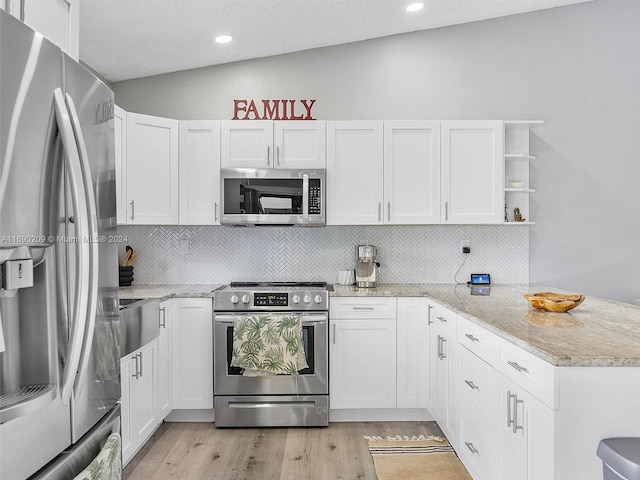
315,197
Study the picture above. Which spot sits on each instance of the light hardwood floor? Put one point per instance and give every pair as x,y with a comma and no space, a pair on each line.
199,451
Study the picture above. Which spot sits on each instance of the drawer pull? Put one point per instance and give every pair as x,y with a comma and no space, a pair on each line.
471,337
442,319
512,412
471,448
363,308
472,385
518,367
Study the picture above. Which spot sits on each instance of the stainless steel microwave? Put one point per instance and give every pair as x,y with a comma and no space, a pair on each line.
272,196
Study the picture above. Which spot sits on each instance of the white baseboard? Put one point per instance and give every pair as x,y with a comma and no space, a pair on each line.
381,415
204,415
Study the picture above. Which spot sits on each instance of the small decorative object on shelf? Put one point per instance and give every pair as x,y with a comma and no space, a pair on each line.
554,302
506,219
517,216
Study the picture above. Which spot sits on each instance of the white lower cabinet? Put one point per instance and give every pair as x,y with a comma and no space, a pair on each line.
165,391
413,352
362,352
139,379
192,353
443,371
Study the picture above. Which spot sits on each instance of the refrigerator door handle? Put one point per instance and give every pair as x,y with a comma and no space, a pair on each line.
78,325
93,240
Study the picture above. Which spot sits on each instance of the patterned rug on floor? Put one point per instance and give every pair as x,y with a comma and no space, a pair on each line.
415,458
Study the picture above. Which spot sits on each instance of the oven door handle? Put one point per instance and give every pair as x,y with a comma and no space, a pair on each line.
305,317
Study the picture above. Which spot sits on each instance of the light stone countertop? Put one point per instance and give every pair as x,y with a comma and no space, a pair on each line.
597,333
164,292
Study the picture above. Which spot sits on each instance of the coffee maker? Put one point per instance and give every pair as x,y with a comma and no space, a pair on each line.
366,266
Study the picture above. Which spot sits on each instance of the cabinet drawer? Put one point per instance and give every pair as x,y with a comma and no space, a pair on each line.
479,340
530,372
361,307
478,382
478,441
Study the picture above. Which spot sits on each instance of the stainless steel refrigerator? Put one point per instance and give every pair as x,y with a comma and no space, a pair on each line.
59,323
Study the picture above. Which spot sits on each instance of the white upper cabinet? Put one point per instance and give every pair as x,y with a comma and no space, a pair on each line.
269,144
120,135
472,171
152,170
411,172
57,20
354,172
199,167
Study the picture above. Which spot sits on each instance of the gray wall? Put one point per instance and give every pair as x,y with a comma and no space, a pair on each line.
576,67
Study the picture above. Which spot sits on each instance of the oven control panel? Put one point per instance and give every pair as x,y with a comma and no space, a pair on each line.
270,299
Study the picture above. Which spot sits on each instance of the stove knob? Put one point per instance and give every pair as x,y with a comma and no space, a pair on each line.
307,299
318,299
245,298
296,299
234,299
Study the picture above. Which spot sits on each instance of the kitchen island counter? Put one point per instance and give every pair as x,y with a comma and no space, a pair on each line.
598,333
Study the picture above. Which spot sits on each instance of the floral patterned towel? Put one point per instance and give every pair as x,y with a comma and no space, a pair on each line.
268,344
107,465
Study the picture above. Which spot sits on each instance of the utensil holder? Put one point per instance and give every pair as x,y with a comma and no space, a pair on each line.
126,276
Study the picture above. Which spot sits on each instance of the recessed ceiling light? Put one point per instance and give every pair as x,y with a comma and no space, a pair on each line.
224,39
415,7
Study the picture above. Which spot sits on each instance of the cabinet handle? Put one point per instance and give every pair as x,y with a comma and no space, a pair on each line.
471,448
334,333
163,317
471,337
215,211
268,155
140,363
429,321
439,347
363,308
135,374
472,385
510,420
442,319
132,209
444,340
517,427
518,367
379,211
278,154
389,211
22,15
446,211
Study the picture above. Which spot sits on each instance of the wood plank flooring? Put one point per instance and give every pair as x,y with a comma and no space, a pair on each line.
199,451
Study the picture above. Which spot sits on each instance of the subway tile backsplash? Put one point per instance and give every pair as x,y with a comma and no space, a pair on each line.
407,254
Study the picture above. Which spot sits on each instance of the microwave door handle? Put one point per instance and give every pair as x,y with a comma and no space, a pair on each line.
305,198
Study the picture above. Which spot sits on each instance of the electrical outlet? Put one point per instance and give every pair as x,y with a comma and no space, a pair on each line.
465,246
184,246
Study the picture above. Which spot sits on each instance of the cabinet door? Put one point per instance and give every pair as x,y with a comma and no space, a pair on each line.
363,363
142,394
413,353
472,171
411,172
199,172
526,439
300,144
192,353
126,373
354,173
58,20
246,143
445,371
165,392
152,170
120,136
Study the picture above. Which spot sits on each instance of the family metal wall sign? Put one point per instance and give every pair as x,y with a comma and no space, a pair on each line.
273,109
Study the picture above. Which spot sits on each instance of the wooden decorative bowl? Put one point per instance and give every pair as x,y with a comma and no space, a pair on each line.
554,302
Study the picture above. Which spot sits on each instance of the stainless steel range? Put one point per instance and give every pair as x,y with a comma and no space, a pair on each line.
276,400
